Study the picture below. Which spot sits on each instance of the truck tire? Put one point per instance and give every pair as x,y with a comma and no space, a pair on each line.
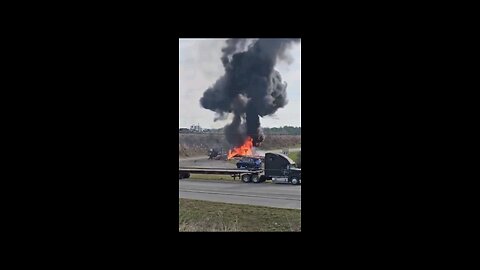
295,181
263,178
246,178
255,178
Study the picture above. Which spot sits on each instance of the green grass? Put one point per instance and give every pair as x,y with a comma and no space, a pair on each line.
294,155
206,216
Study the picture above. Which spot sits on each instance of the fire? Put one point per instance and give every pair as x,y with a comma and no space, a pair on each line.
243,150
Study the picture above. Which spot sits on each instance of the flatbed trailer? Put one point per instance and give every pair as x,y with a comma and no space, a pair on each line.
185,172
278,168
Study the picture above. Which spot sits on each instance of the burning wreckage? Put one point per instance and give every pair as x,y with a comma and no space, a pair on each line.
217,154
245,150
250,88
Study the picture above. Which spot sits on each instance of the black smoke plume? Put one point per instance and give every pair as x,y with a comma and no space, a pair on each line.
250,87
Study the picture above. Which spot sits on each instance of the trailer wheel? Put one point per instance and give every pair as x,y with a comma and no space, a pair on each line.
295,181
255,178
246,178
263,178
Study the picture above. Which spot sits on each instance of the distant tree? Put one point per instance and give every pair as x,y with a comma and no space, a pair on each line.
285,130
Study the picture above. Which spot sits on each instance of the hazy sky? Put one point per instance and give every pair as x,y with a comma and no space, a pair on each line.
200,67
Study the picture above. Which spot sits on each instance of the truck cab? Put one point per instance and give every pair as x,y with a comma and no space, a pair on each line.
281,169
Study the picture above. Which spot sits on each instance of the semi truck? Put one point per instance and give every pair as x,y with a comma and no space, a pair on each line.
277,167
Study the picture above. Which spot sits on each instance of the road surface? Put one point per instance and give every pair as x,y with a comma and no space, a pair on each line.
263,194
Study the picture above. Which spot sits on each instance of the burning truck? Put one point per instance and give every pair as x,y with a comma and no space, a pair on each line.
243,150
250,88
278,168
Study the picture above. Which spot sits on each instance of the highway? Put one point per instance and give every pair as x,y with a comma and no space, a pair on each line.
263,194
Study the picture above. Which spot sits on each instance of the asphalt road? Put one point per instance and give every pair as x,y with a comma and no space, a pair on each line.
263,194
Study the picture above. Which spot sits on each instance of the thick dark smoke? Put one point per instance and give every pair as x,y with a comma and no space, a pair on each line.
235,132
250,87
233,45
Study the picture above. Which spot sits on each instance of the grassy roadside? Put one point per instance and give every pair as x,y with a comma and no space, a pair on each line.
297,146
211,216
294,156
262,148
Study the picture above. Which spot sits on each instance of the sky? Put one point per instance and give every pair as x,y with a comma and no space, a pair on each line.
200,67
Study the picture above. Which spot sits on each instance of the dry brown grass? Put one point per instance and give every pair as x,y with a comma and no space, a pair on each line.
202,216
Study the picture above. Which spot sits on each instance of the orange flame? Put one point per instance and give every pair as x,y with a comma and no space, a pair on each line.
243,150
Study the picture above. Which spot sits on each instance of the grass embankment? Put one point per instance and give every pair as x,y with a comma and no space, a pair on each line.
203,216
296,156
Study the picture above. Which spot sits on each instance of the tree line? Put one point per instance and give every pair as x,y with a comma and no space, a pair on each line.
285,130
